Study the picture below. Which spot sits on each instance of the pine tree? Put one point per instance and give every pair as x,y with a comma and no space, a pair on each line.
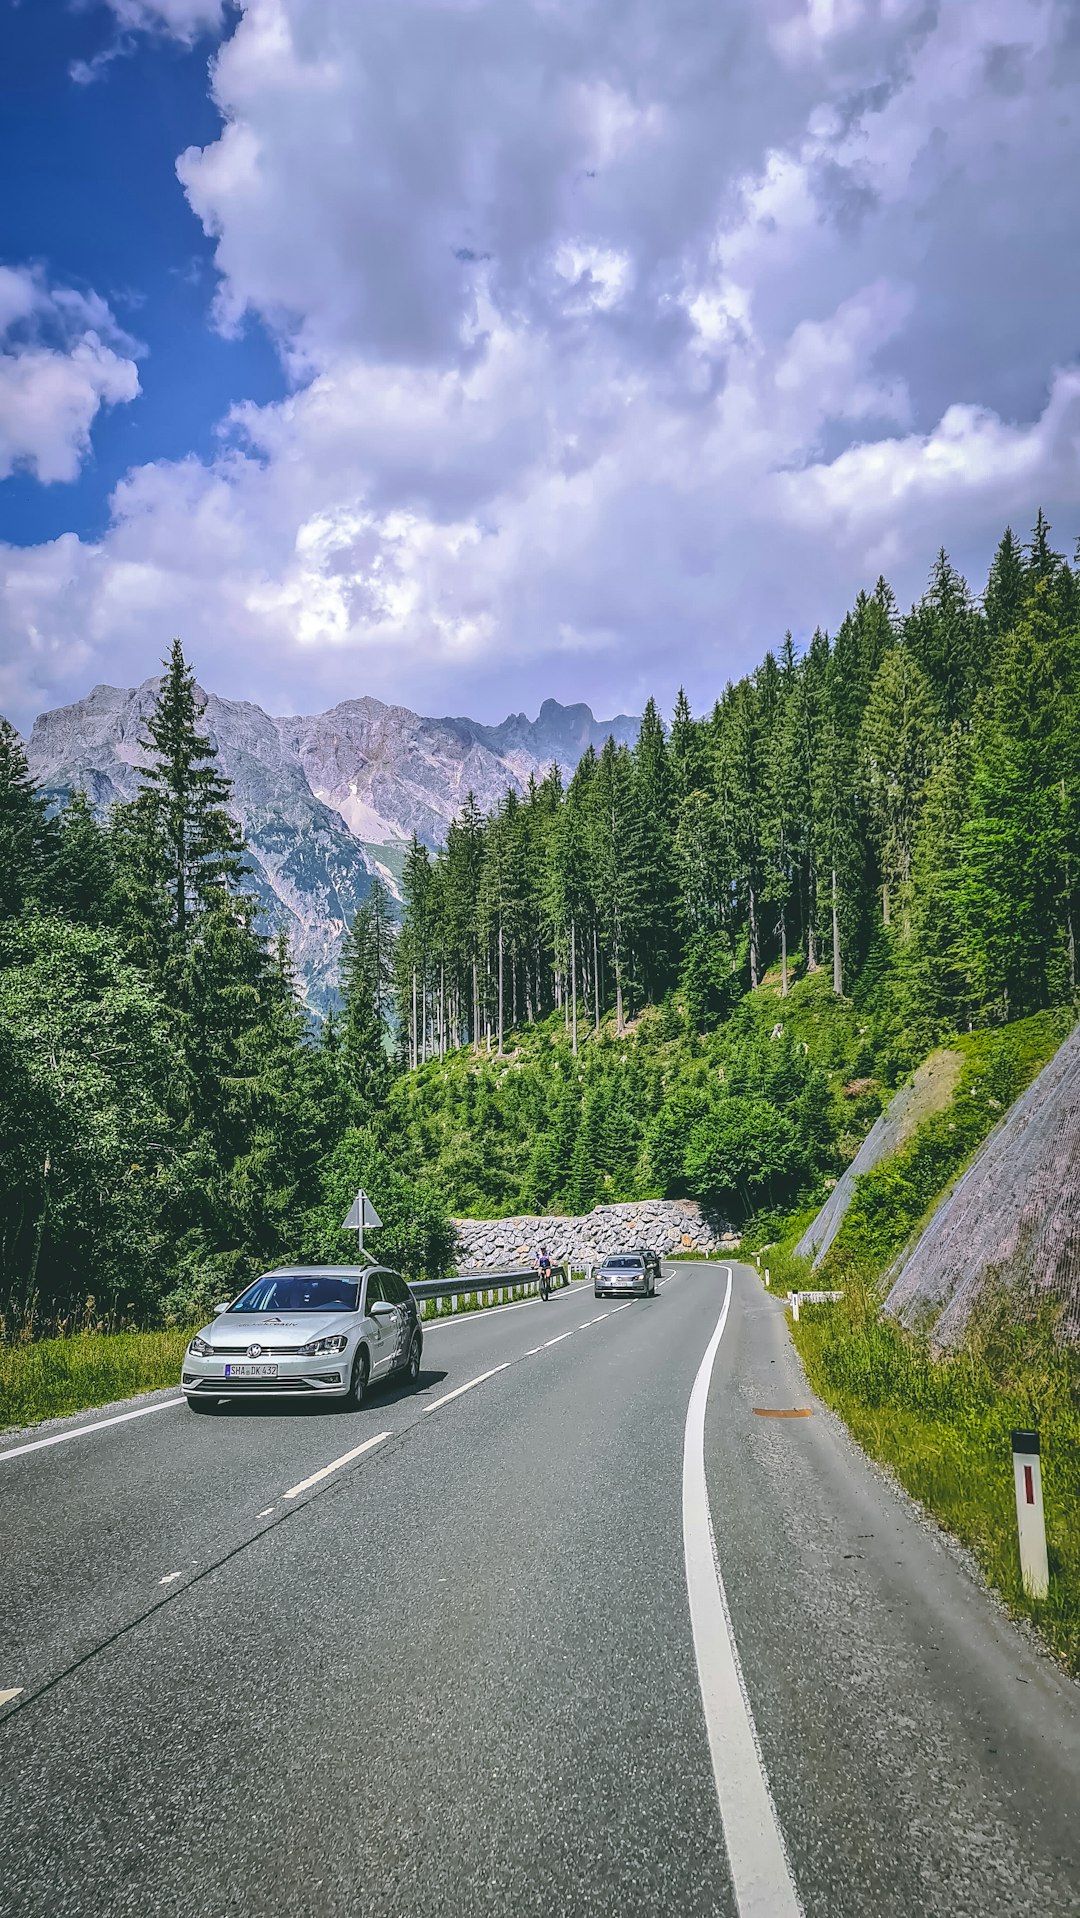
187,800
1016,859
899,744
658,930
80,878
24,832
367,975
1006,588
946,635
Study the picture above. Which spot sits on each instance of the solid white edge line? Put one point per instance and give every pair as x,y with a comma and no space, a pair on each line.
467,1387
760,1871
14,1691
334,1465
79,1431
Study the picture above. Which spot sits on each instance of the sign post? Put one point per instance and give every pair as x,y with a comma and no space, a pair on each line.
1027,1475
361,1213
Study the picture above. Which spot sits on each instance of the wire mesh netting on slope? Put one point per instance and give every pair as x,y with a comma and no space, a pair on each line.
930,1091
1011,1222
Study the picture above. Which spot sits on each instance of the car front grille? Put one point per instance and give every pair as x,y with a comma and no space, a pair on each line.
231,1388
268,1351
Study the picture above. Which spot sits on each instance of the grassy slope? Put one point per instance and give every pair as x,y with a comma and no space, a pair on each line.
51,1377
943,1425
489,1128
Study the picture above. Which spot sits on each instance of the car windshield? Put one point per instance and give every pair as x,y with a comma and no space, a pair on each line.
623,1265
298,1292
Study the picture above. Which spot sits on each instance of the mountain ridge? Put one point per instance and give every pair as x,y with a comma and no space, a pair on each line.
326,800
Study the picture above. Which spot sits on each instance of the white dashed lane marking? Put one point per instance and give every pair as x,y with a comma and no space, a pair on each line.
335,1465
467,1387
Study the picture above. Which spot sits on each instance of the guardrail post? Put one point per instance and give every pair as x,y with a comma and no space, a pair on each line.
1030,1521
767,1279
794,1298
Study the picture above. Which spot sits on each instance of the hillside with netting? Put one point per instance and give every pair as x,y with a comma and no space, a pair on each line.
1008,1234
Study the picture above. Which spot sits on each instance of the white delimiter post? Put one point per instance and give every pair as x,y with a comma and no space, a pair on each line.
1029,1513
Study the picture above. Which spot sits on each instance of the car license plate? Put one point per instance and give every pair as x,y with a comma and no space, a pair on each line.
251,1371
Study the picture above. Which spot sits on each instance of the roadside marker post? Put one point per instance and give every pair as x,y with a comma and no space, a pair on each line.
1030,1520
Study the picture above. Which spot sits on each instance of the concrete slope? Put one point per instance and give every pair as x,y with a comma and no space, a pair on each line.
930,1090
1011,1222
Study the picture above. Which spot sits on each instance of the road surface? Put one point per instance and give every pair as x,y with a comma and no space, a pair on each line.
463,1671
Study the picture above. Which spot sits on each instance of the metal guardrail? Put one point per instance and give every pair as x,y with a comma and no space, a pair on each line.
471,1290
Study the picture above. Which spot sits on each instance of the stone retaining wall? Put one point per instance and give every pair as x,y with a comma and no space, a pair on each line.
668,1225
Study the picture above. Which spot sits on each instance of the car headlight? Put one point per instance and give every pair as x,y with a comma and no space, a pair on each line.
199,1348
336,1342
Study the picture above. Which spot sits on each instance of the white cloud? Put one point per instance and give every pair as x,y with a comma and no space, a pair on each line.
183,19
59,364
616,348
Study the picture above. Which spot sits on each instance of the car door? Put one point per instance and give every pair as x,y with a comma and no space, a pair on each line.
381,1325
398,1292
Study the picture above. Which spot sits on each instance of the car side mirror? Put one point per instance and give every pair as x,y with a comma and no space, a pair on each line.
223,1307
381,1309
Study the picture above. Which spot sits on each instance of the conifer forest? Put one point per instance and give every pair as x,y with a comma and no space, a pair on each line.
695,966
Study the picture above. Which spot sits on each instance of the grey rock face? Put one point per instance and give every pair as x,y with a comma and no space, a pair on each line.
667,1225
327,801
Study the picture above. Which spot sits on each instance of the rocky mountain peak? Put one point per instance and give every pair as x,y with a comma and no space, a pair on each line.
328,800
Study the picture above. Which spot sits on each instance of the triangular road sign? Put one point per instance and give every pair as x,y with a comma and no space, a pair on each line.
361,1212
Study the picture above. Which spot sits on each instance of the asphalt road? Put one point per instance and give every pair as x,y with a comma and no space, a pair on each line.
462,1673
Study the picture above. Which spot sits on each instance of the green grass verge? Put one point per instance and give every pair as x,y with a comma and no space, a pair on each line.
53,1376
943,1426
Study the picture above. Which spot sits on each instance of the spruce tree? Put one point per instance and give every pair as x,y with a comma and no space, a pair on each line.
367,975
187,800
24,832
899,743
1006,588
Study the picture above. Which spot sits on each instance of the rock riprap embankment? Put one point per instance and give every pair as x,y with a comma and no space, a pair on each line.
667,1225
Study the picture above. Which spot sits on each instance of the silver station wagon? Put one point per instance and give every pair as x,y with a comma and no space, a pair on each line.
636,1270
323,1331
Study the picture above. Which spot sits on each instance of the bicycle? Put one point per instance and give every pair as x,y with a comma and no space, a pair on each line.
544,1270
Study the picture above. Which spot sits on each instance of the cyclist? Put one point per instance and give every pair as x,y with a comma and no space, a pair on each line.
543,1267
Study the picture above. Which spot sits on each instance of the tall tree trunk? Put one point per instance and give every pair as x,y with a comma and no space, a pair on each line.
813,964
755,961
442,1010
414,1049
884,902
475,1007
596,980
783,953
619,1027
501,987
573,982
837,967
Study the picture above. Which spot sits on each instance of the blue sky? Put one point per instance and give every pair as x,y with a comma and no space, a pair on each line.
92,196
467,352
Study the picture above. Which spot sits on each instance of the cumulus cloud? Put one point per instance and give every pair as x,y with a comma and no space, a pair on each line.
621,336
184,20
62,357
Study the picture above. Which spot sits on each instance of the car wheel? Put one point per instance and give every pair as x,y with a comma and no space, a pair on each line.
354,1398
596,1294
411,1367
196,1404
